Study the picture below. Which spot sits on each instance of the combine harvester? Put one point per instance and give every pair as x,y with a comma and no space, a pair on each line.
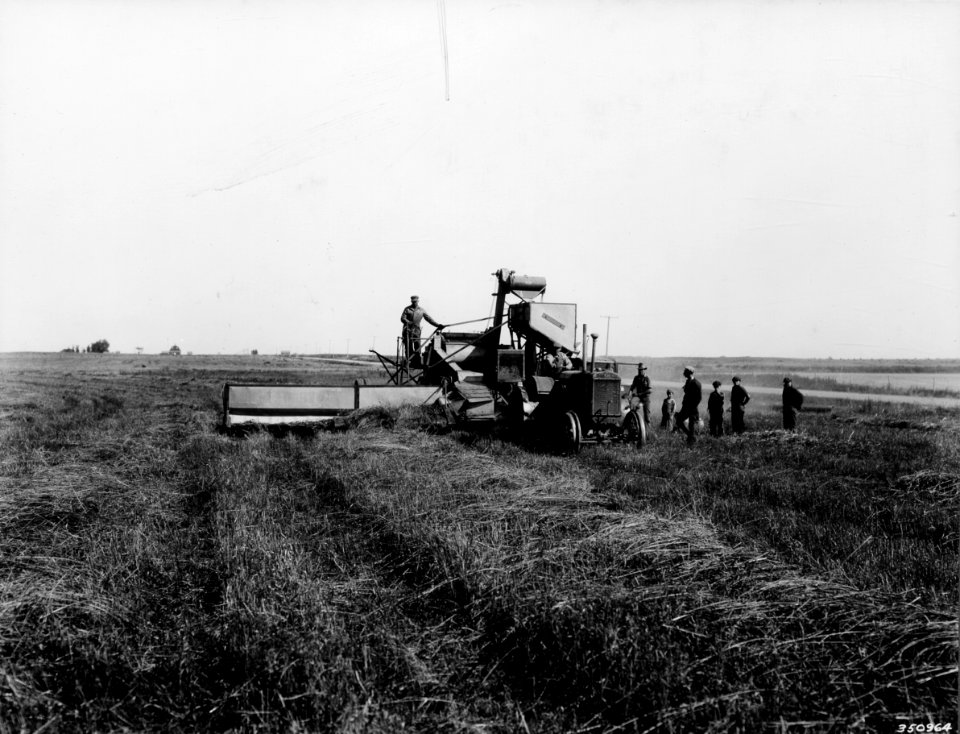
476,379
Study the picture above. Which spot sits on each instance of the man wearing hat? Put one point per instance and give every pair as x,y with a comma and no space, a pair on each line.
690,407
715,409
792,404
738,402
640,388
411,317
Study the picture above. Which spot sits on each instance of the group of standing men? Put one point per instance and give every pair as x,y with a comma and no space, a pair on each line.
687,419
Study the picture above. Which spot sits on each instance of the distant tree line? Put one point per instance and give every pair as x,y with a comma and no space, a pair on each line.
101,346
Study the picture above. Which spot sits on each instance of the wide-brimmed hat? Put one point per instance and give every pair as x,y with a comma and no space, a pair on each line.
640,366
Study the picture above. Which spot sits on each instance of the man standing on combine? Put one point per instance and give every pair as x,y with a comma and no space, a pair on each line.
689,408
410,318
640,388
739,398
792,404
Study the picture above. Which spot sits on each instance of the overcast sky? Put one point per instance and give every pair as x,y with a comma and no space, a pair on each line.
737,177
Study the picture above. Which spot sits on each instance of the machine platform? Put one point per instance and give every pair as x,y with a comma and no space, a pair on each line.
278,405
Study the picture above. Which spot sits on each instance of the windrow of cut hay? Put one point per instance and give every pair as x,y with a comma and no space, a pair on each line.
864,504
158,576
81,501
616,615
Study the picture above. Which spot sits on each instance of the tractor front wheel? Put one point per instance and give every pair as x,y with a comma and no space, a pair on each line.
634,429
572,434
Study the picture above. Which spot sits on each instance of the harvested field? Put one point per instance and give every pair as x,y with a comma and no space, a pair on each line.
156,574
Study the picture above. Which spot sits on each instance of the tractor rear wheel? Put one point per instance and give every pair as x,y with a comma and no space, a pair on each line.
634,429
572,434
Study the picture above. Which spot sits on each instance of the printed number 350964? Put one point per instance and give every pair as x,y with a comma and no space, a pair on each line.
922,728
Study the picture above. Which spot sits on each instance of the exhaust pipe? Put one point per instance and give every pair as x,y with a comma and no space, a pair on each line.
583,350
593,351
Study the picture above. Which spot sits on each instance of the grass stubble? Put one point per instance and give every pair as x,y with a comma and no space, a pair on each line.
158,575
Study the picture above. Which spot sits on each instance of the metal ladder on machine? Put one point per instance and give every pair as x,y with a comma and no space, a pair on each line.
398,369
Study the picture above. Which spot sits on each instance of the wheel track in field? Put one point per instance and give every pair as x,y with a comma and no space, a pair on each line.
667,552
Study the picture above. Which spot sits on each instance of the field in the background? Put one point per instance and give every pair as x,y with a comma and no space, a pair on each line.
904,381
158,575
924,377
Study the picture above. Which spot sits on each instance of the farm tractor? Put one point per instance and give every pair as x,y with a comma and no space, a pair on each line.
539,380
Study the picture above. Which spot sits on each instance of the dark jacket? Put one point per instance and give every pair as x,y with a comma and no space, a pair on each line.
692,394
792,398
738,397
715,403
641,386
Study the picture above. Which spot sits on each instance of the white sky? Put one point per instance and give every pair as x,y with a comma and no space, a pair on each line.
723,177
